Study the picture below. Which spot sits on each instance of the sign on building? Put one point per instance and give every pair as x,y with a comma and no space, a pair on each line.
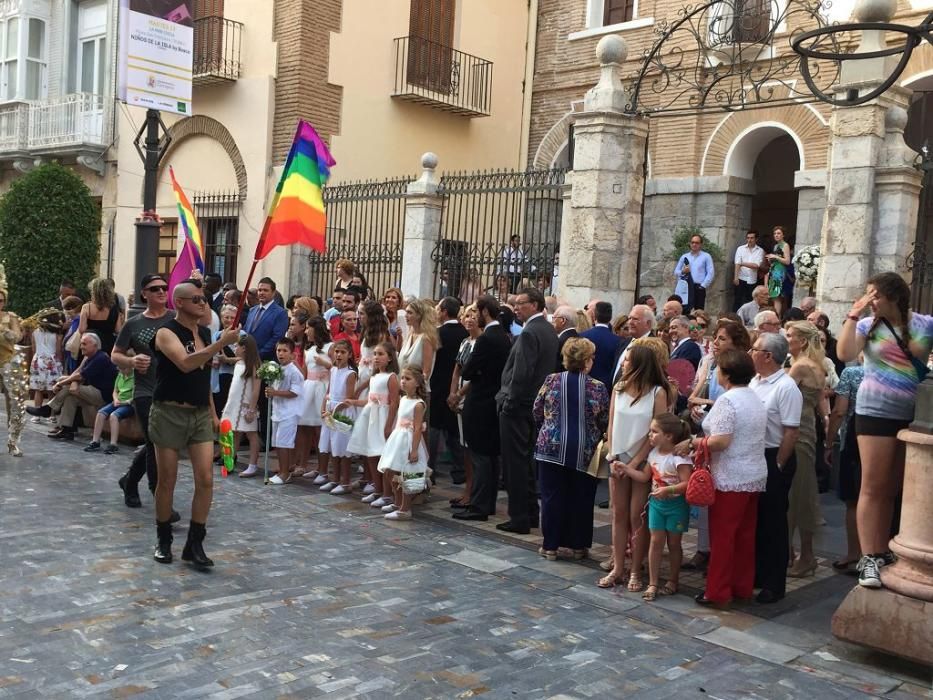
156,51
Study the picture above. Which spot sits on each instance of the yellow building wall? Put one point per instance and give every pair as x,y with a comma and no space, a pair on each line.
383,137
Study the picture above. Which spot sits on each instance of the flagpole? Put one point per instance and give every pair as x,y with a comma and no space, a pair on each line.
239,308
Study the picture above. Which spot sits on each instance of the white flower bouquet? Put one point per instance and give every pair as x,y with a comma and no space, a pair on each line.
807,264
270,371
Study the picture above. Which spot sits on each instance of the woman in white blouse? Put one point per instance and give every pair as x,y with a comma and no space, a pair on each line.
422,342
736,429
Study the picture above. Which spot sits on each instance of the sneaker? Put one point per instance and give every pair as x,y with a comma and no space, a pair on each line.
887,558
389,508
368,489
320,480
251,470
381,501
398,515
371,498
311,474
329,486
92,446
869,574
111,449
277,480
341,489
36,419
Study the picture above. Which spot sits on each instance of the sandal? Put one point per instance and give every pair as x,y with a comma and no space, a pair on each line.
845,565
634,583
668,589
609,581
549,554
607,564
651,592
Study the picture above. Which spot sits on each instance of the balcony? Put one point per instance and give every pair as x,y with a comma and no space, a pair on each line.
217,46
79,122
441,77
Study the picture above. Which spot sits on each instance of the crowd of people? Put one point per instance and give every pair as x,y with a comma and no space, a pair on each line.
524,392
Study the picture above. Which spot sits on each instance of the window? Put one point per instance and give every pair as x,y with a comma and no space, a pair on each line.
618,11
219,220
430,47
168,246
208,35
92,47
23,61
752,21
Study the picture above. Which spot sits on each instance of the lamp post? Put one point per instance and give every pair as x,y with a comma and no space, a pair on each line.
152,141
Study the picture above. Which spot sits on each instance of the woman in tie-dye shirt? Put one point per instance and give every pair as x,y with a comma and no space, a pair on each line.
896,344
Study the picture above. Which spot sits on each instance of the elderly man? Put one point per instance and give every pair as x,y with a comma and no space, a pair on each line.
807,305
760,301
86,387
767,322
640,325
683,348
783,403
564,321
672,309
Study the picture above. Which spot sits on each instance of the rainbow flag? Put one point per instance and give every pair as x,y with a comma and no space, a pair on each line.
191,255
296,214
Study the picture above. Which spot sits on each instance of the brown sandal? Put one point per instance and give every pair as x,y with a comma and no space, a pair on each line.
651,592
668,589
609,581
634,583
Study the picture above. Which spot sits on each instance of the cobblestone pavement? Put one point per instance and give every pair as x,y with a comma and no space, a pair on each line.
316,596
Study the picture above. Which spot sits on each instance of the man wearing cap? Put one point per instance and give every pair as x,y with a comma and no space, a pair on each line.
136,336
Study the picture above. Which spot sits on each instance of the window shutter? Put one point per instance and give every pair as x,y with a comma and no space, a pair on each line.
208,35
618,11
430,47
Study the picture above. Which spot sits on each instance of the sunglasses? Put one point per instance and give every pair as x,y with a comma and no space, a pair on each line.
196,299
157,288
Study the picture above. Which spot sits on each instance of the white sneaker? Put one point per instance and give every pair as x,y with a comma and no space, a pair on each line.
341,490
381,501
369,488
398,515
35,419
251,470
329,486
389,508
311,475
320,479
371,498
277,480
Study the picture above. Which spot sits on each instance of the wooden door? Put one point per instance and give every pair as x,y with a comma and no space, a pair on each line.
430,47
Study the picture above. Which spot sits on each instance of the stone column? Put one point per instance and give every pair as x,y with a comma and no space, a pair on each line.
423,208
601,229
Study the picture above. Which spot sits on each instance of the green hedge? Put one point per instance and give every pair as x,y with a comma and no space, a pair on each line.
681,243
49,230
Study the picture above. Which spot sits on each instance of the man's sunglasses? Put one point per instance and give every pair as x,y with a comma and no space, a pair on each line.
196,299
157,288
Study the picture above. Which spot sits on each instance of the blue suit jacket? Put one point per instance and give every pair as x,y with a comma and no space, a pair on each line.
607,346
271,327
688,350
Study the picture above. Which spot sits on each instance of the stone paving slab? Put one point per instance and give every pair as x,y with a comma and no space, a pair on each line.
309,599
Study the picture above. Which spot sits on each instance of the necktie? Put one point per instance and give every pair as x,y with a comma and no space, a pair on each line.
258,318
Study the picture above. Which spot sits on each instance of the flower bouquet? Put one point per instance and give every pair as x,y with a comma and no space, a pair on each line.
339,422
270,371
807,264
414,482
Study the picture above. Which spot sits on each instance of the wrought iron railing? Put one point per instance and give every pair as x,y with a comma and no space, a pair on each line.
78,119
217,46
442,77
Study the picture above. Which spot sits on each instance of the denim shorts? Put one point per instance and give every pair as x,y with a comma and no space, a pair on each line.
124,410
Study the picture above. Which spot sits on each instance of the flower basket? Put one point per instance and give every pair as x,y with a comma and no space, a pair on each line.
807,265
339,422
414,483
270,371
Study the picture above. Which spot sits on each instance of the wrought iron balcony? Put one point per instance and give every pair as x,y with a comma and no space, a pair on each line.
217,46
441,77
77,122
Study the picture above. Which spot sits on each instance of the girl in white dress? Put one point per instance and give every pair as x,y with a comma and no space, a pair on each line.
46,366
334,443
241,407
377,417
317,368
405,452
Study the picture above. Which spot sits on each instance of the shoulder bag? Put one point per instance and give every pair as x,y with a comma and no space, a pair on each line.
700,489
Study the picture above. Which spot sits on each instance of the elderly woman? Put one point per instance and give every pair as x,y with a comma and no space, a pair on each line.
735,429
571,414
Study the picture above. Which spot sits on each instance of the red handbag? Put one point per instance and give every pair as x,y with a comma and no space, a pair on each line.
700,489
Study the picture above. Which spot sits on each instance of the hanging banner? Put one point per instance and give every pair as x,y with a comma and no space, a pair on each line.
156,53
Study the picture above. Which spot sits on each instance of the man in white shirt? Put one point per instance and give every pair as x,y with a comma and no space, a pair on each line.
784,403
759,303
748,259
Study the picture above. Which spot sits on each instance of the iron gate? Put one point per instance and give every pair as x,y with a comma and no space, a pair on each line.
366,225
482,212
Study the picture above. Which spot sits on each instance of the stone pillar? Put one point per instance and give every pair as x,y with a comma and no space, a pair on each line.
423,208
601,229
811,202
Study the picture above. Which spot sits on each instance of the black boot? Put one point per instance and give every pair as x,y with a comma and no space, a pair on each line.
194,547
163,550
130,492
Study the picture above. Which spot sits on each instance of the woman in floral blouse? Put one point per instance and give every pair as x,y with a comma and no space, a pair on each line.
571,412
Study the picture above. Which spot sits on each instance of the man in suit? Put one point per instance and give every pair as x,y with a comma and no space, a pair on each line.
213,288
483,370
65,289
443,421
563,321
607,343
683,347
531,359
266,322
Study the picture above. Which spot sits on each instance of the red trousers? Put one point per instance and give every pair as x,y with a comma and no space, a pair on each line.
732,521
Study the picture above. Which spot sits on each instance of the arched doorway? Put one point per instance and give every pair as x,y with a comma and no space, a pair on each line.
775,200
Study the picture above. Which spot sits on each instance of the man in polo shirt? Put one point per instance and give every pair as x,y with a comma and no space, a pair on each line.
784,403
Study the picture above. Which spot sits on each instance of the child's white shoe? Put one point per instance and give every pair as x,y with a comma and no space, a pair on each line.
389,508
340,490
398,515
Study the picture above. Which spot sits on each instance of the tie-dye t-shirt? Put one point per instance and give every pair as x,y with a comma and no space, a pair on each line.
890,384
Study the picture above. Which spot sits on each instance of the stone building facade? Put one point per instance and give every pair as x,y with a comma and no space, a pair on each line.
723,171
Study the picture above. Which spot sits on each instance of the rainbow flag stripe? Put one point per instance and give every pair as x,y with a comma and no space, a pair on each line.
189,224
296,214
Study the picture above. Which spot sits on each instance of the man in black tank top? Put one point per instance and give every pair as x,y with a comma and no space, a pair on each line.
183,416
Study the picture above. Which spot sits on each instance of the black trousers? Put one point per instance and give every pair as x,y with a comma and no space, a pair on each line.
772,543
696,297
263,405
517,439
743,294
144,461
485,483
452,442
567,498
